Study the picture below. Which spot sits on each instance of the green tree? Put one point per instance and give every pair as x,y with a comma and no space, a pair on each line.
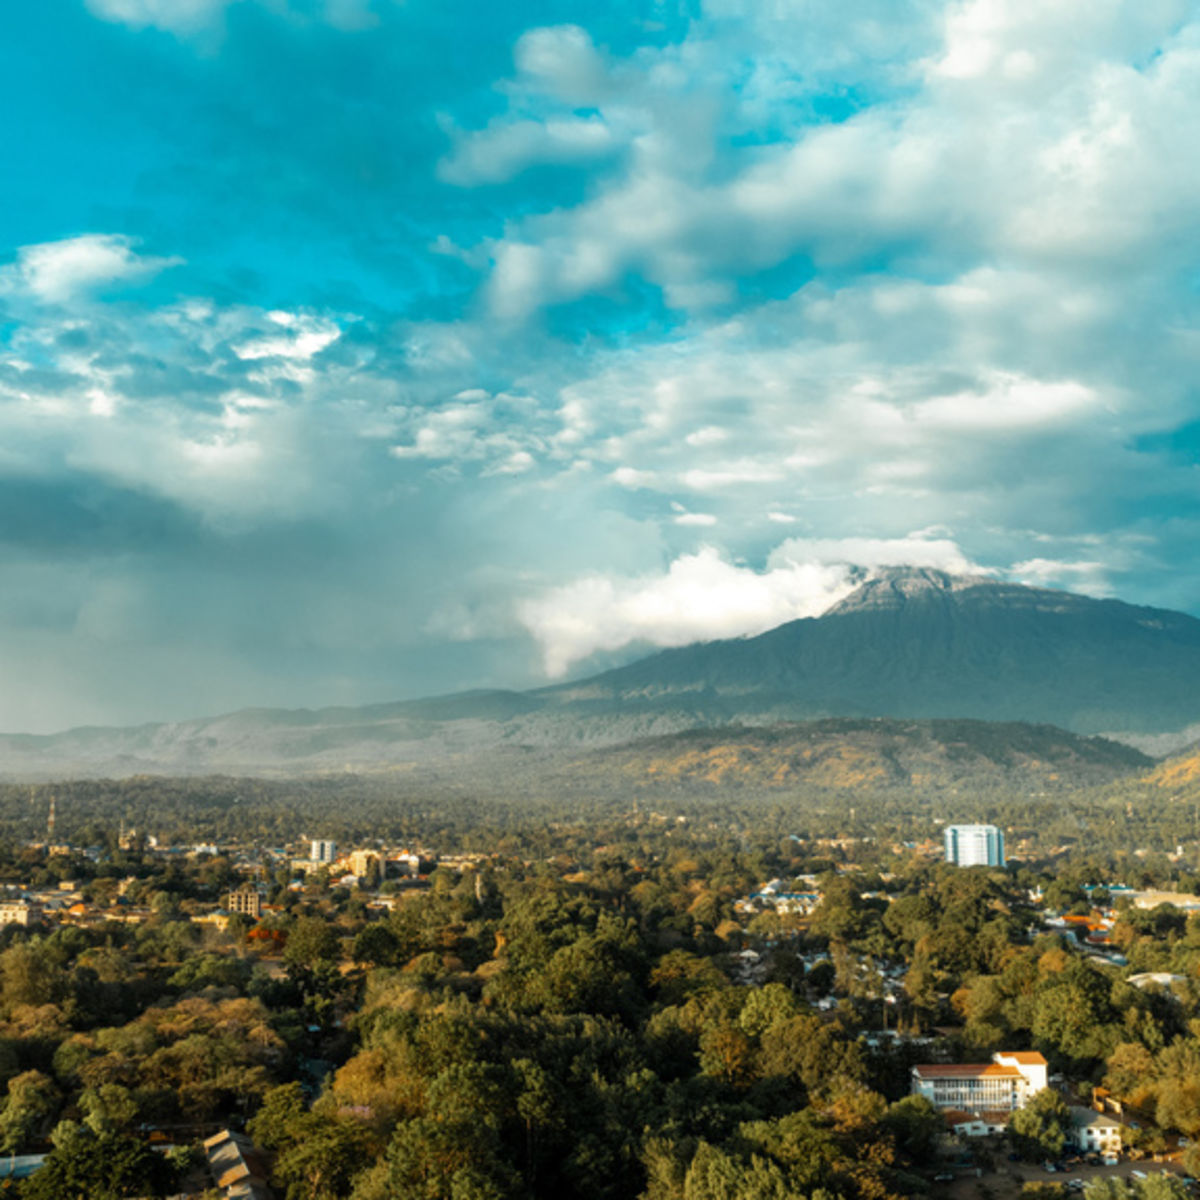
311,942
1039,1130
32,1100
86,1167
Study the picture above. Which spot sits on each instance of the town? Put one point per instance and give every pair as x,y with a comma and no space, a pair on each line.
295,1018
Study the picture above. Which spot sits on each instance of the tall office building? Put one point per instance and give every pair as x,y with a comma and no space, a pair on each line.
974,846
323,851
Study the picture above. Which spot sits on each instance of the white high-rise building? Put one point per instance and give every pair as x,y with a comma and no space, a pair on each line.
974,846
323,851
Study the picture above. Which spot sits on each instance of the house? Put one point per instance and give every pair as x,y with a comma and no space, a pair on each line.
1094,1132
236,1167
976,1124
1007,1083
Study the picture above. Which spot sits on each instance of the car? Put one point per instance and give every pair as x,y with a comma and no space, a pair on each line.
1075,1185
944,1177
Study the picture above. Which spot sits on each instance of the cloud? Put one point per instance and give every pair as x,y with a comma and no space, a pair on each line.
703,596
188,17
563,60
497,154
1091,578
177,16
301,336
920,549
55,272
1073,168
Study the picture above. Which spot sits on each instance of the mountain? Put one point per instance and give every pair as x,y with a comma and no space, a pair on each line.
847,754
908,643
913,642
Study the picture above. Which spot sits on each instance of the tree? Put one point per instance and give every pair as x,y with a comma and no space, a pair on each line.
83,1166
279,1121
32,1100
1039,1130
376,945
727,1053
311,942
320,1164
917,1126
108,1109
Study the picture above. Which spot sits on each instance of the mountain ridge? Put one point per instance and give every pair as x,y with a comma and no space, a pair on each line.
906,644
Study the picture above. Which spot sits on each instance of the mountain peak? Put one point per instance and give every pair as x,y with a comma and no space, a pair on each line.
894,587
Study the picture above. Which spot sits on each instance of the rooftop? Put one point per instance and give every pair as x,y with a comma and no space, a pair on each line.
965,1071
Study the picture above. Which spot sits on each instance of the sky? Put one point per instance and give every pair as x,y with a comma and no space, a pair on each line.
353,350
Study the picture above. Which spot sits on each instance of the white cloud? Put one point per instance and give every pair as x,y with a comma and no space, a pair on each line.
563,60
177,16
920,549
703,596
501,151
1091,578
190,17
55,272
700,597
1008,401
300,337
1032,134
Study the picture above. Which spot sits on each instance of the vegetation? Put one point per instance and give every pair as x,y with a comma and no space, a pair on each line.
587,1002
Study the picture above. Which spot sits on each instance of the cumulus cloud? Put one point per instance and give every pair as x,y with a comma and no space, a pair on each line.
497,154
1013,140
54,272
703,596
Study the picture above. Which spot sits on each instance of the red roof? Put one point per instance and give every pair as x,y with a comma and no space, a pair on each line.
965,1071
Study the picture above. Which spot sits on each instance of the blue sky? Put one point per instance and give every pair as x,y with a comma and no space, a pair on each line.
360,349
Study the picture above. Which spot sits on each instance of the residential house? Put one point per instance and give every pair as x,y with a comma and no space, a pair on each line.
1094,1132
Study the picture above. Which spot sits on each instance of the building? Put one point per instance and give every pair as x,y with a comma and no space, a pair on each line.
361,862
246,900
236,1166
323,851
974,845
1094,1132
19,912
1007,1083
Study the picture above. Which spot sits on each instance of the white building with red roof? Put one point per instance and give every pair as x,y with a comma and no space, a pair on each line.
1007,1083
